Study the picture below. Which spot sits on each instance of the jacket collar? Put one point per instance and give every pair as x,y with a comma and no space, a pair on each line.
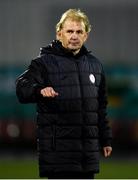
56,48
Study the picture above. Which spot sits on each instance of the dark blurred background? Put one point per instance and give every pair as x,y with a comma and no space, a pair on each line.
27,25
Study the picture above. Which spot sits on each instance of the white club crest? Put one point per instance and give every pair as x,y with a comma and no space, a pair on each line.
92,78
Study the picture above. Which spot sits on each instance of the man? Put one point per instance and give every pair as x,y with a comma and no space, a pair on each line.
68,84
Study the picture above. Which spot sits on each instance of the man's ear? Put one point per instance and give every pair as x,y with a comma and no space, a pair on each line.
58,35
86,36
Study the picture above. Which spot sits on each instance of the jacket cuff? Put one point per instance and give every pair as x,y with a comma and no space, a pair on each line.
106,142
37,90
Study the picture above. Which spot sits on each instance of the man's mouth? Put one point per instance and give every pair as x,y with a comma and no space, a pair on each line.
74,43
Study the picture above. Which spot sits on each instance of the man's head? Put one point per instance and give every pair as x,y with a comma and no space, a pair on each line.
73,29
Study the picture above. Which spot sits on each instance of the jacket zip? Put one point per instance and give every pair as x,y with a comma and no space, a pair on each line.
82,109
53,137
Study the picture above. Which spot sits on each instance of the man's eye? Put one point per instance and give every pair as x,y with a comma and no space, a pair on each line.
69,31
80,32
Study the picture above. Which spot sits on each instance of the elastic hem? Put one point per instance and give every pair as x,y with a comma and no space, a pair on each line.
68,175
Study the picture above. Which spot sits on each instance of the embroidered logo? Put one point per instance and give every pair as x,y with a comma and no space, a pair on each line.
92,78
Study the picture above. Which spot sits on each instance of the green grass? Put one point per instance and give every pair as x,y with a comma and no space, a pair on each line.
18,169
118,170
29,169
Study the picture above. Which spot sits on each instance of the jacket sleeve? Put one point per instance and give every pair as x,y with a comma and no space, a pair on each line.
29,83
105,133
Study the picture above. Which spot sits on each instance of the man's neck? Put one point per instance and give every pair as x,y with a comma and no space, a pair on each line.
75,52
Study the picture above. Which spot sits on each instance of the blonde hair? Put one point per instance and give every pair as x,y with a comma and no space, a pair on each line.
75,15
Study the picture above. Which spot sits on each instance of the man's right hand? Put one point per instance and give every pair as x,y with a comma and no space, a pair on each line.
48,92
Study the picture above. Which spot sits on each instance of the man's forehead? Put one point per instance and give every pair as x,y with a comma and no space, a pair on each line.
70,23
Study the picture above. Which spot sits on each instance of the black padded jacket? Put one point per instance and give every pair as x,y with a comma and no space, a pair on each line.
72,126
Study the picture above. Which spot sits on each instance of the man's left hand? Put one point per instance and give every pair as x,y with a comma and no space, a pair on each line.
107,151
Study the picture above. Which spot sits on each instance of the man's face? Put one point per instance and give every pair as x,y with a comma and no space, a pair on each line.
72,35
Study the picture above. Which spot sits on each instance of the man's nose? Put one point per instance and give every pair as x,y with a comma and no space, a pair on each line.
74,35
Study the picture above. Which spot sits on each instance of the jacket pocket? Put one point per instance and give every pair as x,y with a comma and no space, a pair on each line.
53,144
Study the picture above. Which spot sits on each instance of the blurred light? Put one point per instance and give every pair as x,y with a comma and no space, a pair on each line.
0,130
13,130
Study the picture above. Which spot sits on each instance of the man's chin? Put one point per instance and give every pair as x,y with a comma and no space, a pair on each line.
73,49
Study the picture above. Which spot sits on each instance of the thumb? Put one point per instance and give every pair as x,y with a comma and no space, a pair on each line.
54,93
107,151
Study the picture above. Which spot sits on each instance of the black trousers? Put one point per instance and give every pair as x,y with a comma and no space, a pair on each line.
71,175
